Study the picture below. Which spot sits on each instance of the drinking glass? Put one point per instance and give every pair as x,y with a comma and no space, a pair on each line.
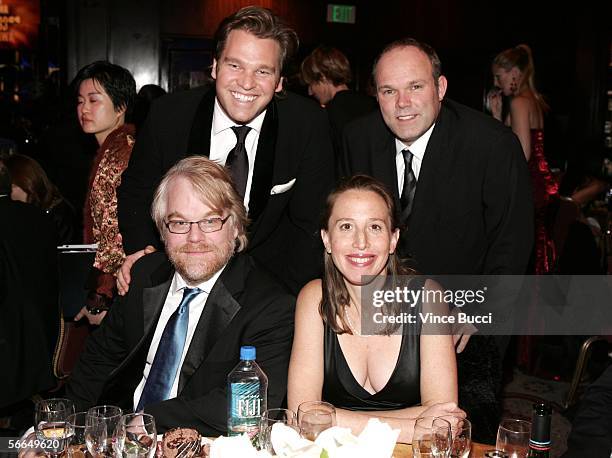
268,419
136,436
513,437
315,417
461,431
76,446
431,438
101,422
50,424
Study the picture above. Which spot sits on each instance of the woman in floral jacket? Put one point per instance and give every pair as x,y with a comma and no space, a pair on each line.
106,93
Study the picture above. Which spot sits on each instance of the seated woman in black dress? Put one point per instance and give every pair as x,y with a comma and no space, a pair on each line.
397,377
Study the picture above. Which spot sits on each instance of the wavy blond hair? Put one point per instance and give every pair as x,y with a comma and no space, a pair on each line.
214,187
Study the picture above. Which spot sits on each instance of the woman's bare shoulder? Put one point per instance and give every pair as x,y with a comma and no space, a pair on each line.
310,294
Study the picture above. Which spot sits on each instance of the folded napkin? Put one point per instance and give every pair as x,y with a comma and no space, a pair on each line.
377,440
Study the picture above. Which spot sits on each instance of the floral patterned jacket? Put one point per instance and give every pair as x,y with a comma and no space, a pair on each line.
100,219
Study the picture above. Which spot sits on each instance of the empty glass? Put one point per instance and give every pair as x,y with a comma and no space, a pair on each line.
76,446
136,436
513,437
315,417
101,422
461,432
431,438
268,419
50,418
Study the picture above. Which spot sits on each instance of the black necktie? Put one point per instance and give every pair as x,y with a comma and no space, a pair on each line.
410,182
238,162
168,355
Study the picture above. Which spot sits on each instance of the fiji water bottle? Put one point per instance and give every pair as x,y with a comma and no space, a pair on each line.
247,395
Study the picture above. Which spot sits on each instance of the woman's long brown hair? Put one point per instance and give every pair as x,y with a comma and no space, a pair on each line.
335,295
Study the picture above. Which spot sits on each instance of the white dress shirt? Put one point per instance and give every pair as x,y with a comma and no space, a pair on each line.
223,139
418,152
173,299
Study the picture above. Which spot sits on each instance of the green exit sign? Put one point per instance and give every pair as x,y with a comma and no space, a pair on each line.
341,13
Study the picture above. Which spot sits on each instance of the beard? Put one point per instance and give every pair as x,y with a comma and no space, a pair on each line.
198,269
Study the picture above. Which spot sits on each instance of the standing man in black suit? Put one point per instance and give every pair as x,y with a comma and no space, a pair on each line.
462,185
203,289
277,145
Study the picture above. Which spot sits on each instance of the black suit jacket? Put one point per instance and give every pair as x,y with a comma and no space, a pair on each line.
245,307
29,311
473,210
342,109
294,144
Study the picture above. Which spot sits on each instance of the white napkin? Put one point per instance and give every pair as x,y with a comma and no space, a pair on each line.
236,446
377,439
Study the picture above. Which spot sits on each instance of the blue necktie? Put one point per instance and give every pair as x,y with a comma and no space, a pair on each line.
168,355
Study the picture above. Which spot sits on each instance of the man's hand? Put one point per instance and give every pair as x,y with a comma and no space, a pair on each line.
93,319
461,332
460,341
123,274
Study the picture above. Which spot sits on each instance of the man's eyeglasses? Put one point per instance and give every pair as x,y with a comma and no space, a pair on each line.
206,225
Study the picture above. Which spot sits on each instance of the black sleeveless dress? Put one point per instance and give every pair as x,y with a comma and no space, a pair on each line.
402,390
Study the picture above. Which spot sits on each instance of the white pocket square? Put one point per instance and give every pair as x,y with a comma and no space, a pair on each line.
280,188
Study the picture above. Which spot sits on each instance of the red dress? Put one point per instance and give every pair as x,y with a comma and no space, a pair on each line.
544,189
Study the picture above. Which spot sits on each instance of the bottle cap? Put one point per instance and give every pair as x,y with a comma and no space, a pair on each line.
247,353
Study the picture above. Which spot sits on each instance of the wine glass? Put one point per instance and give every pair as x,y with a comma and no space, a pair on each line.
136,436
101,422
315,417
461,431
513,437
50,424
76,447
268,419
431,438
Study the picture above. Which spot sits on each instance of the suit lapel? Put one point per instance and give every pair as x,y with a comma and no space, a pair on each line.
199,136
264,165
384,166
382,159
221,307
437,157
153,300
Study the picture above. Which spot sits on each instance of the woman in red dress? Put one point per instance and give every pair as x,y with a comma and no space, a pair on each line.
513,73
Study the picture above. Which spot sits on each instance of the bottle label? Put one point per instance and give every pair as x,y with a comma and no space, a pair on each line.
540,446
245,408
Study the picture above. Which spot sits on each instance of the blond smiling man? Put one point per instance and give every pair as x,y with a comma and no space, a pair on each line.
276,144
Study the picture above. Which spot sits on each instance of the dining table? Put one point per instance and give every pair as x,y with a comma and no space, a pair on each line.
478,450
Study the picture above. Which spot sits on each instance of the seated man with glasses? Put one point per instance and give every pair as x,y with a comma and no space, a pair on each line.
168,345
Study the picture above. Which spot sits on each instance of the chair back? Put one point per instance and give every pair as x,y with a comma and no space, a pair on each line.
74,265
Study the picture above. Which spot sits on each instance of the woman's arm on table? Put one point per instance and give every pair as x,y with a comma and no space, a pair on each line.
306,363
